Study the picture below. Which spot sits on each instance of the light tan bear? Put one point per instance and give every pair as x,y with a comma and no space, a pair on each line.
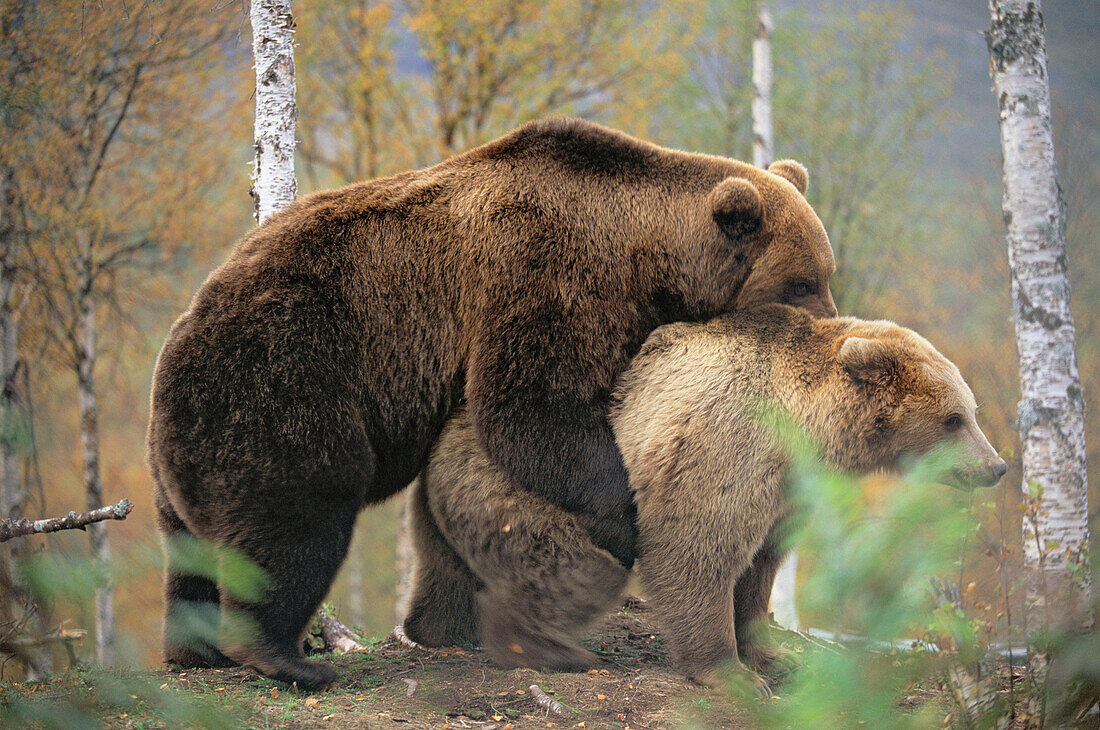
708,480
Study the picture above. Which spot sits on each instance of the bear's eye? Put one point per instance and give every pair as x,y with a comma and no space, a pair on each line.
953,422
802,288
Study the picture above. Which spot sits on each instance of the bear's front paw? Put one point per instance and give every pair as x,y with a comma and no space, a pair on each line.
305,675
769,659
732,673
196,656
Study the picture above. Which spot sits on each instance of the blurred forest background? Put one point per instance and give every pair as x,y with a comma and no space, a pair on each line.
126,154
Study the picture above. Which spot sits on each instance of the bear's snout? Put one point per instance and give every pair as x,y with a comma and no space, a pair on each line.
990,472
984,473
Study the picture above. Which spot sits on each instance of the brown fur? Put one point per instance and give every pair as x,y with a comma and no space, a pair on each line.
315,369
708,479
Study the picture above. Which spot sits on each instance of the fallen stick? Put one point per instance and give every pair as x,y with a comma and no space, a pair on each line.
800,636
338,638
73,521
547,702
399,633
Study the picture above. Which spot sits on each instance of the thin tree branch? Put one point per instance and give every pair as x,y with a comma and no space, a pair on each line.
134,81
74,520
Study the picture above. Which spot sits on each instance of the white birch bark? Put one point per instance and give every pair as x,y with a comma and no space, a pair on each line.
783,606
89,438
1051,411
404,560
273,182
763,153
354,563
762,144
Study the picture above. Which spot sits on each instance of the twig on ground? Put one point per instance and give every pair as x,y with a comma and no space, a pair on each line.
73,521
400,635
338,638
831,646
547,702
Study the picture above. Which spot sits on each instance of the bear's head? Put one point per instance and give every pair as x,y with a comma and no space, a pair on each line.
906,398
797,260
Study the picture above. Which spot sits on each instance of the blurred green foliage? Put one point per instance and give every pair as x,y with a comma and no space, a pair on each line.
880,576
234,572
82,696
80,699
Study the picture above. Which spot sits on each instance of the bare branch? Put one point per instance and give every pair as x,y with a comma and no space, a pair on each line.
547,702
338,638
105,145
74,520
400,635
60,634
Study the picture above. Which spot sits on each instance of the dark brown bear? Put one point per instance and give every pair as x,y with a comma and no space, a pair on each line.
315,369
709,482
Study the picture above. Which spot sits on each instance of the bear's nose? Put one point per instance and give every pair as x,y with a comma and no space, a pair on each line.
999,469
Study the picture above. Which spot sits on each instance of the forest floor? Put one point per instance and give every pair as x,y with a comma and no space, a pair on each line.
393,686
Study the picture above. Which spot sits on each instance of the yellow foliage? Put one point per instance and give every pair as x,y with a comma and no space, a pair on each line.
489,67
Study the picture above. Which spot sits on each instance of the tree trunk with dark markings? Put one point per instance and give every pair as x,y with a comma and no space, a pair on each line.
1051,410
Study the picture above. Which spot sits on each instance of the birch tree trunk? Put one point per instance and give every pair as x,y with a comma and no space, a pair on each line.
89,437
1051,411
762,144
354,566
763,153
11,493
403,561
273,182
19,603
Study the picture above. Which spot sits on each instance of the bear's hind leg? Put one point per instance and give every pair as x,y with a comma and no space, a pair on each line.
191,602
442,609
300,557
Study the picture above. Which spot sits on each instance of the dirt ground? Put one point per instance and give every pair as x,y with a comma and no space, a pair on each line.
393,686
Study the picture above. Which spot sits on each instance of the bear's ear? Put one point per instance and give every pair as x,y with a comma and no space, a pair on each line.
867,360
792,171
737,206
